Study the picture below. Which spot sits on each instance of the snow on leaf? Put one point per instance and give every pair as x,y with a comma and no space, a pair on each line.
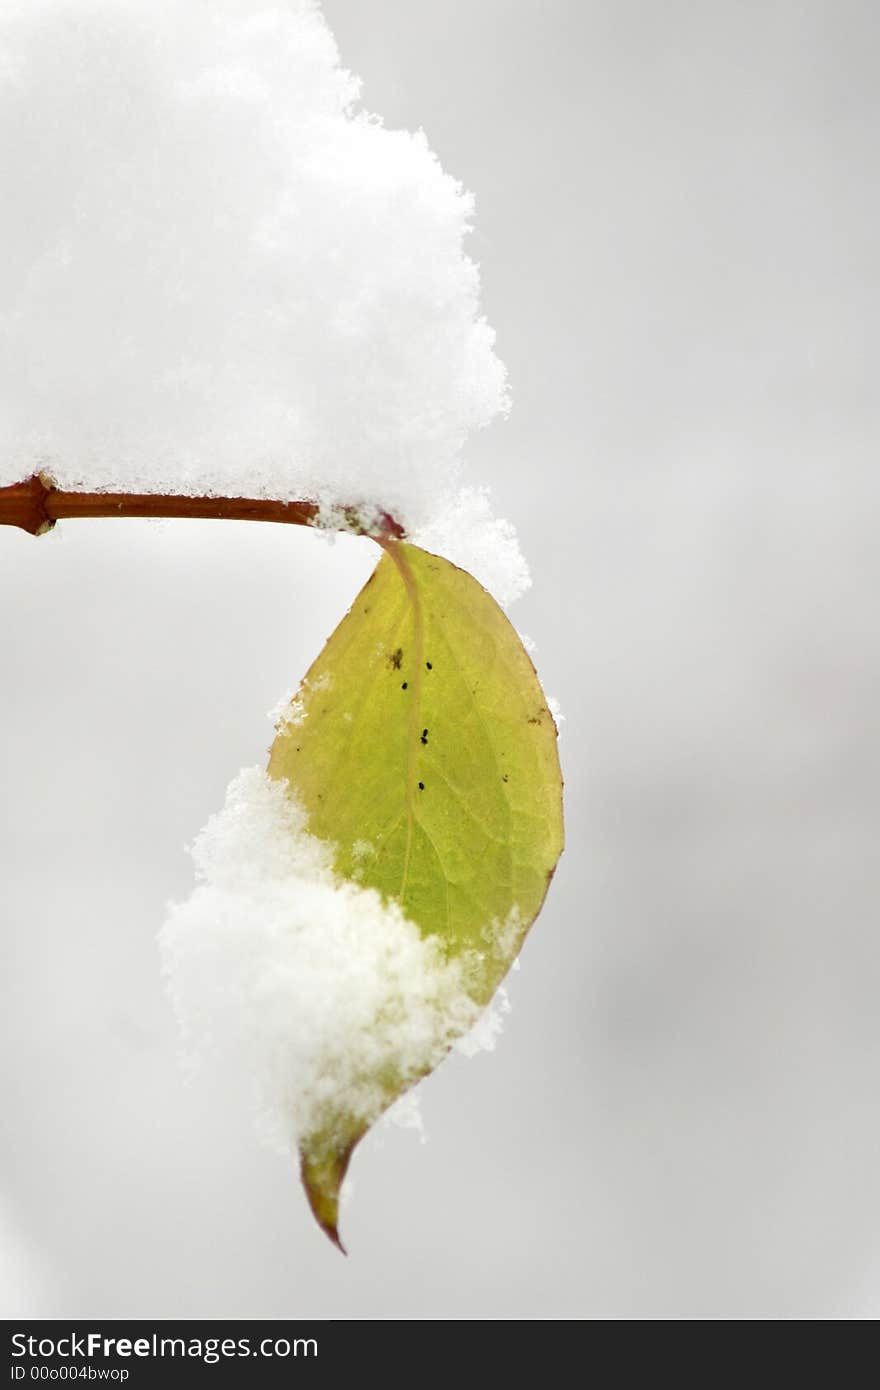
425,736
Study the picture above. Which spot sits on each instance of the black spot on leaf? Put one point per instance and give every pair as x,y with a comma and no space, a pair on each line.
395,658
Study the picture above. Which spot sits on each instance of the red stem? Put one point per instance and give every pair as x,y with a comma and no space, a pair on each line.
36,504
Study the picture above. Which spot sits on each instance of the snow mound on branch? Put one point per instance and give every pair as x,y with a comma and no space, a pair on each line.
218,274
305,985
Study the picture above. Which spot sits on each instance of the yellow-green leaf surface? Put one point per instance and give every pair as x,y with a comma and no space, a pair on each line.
422,748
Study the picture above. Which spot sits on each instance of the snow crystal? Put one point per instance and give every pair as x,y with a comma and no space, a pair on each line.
556,713
219,275
282,708
464,530
483,1036
291,712
313,983
406,1113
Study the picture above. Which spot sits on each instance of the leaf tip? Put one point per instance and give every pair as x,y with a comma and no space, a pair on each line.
322,1176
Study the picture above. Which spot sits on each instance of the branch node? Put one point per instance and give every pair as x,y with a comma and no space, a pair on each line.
24,504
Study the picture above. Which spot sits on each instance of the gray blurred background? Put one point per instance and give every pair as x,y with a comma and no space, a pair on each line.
677,226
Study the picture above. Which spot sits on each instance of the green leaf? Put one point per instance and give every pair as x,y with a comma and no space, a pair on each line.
422,748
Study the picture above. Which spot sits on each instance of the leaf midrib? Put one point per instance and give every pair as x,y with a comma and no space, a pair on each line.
415,709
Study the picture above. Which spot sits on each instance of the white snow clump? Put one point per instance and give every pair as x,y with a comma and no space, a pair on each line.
219,275
305,984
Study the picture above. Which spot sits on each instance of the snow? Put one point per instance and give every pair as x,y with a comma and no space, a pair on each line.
218,274
464,530
556,714
302,985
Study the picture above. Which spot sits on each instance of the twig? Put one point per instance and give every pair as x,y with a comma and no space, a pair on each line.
36,504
